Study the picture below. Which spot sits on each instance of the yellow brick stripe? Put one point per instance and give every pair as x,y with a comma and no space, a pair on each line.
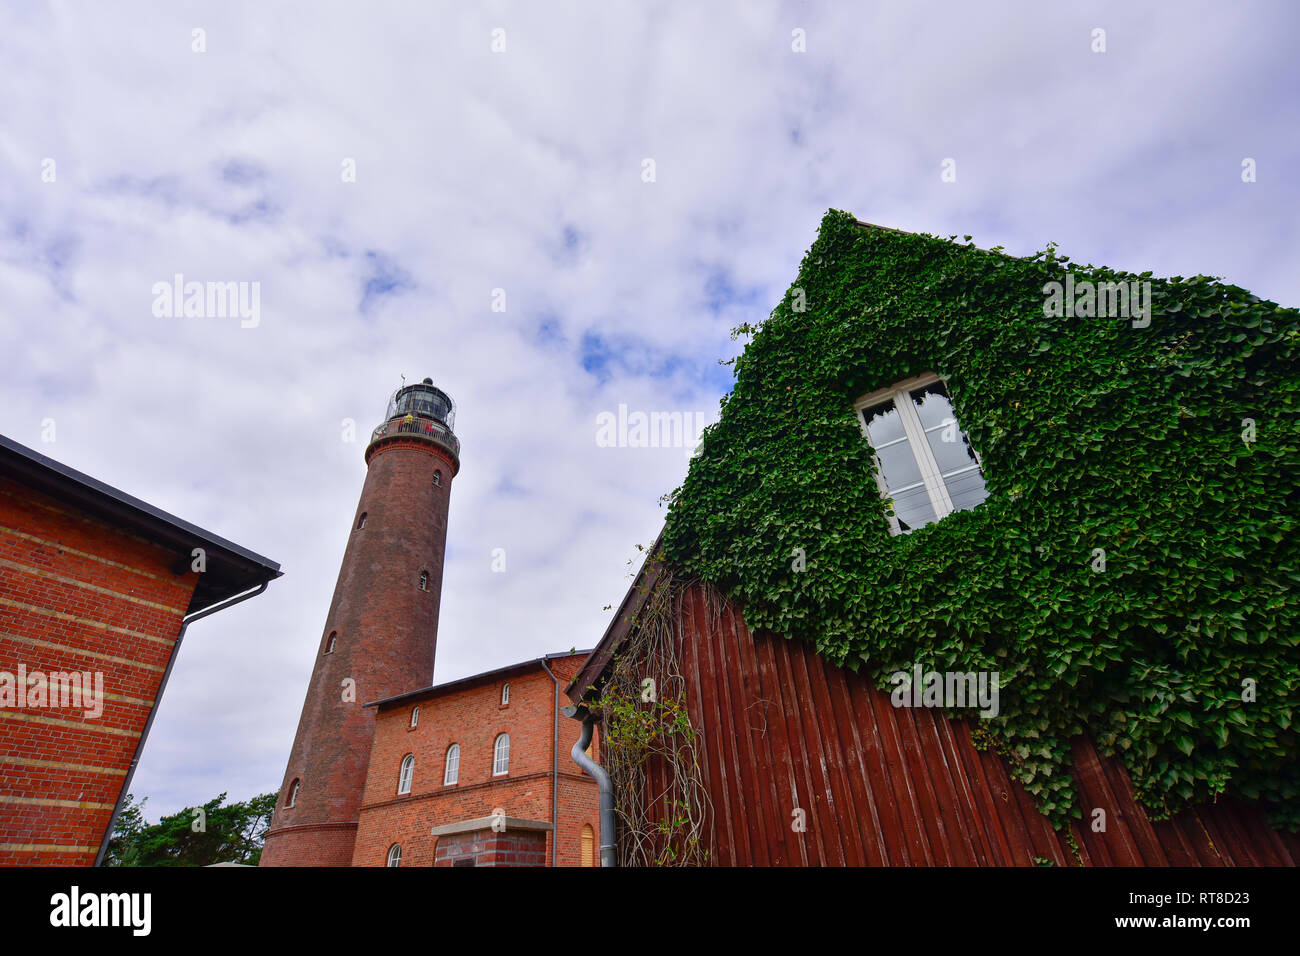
57,765
49,802
97,655
46,848
99,625
74,724
77,583
60,546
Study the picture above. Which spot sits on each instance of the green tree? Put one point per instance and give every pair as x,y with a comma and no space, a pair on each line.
216,832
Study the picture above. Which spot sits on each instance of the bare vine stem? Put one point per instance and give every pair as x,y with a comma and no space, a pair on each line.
649,743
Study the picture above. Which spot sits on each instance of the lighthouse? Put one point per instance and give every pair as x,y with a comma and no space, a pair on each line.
381,632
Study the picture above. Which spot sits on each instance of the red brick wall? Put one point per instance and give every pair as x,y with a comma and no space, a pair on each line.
387,635
76,594
491,848
473,717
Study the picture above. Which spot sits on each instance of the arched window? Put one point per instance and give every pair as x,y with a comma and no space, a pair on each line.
293,794
415,716
437,476
505,694
395,855
361,522
501,756
452,773
329,642
588,845
424,580
408,772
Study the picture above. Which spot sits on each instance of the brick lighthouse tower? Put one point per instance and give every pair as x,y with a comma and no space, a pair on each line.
382,629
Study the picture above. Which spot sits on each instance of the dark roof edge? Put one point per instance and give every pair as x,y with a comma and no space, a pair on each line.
436,689
146,514
621,624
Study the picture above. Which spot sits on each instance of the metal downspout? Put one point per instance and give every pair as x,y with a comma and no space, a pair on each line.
608,850
144,734
555,768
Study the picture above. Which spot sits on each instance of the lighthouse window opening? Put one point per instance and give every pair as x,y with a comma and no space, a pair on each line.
293,794
407,775
505,695
415,717
424,580
395,855
501,756
361,522
452,772
329,642
437,476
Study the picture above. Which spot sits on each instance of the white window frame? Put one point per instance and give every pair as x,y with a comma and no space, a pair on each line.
415,716
394,855
293,793
935,486
505,694
451,769
501,756
406,776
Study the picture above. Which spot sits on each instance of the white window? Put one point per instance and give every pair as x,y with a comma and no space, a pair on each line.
361,522
437,476
293,794
505,694
415,716
424,580
501,756
408,772
452,772
395,855
329,644
924,462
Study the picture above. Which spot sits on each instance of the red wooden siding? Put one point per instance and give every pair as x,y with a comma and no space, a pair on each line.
780,729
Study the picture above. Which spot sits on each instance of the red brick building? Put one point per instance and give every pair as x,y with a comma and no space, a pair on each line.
340,803
450,761
96,591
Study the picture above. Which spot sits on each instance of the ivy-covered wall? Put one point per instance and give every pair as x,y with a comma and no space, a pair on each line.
1173,448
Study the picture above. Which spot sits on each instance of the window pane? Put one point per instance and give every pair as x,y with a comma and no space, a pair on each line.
954,454
913,508
952,450
967,489
898,467
883,424
932,404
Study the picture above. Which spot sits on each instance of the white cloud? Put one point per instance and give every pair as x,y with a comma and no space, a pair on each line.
471,166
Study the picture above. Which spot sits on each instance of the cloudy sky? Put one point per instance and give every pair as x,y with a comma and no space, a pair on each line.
133,148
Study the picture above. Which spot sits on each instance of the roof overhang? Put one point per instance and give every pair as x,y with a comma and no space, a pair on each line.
588,680
231,569
438,690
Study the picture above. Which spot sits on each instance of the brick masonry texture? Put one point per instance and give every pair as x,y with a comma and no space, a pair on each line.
386,638
492,848
471,715
76,594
